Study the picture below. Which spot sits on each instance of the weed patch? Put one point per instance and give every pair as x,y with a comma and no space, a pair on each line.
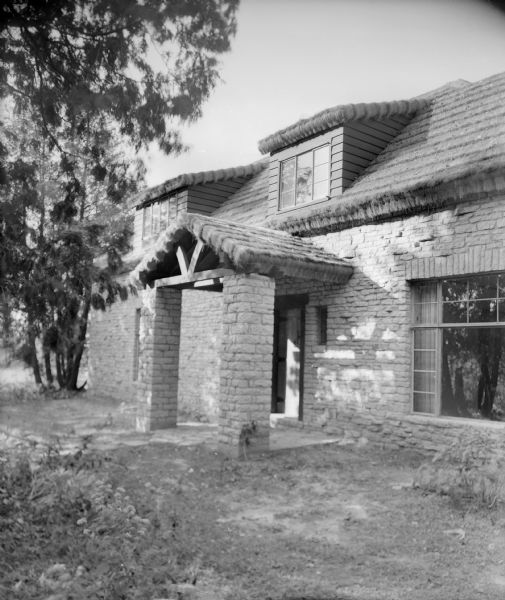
466,471
68,532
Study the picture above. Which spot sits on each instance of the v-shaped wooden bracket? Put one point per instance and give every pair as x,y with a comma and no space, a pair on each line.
188,264
189,276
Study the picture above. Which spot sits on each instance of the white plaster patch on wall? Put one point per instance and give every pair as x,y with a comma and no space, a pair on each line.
363,332
340,354
389,335
342,338
327,374
384,355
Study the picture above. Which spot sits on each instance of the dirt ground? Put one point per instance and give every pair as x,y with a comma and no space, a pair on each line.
320,522
324,522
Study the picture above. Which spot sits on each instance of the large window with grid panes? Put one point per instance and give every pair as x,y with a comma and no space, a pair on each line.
304,178
458,329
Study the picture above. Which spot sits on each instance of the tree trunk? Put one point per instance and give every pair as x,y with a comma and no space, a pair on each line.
495,363
74,365
34,361
47,363
60,369
484,400
449,403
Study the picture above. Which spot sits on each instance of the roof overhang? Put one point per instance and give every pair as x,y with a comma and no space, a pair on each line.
197,248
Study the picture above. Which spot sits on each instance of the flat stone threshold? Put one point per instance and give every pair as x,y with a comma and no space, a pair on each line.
105,422
189,434
288,438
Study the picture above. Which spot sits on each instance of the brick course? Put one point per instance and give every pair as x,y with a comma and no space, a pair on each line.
111,349
199,361
158,359
246,360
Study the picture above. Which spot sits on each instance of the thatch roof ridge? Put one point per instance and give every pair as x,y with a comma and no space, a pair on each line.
336,116
249,249
188,179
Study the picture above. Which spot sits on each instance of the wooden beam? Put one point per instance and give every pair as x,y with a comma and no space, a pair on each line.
198,276
195,256
208,282
182,259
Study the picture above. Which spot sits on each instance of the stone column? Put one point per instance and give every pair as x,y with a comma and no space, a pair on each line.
159,335
246,364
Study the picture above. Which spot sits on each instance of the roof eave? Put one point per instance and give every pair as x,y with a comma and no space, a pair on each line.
243,260
385,207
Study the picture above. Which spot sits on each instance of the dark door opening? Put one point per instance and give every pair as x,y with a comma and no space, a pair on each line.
287,377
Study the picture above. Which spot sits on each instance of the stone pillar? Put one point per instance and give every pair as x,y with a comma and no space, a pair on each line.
246,363
159,335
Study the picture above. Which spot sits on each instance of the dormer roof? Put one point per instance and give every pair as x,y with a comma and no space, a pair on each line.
240,173
337,116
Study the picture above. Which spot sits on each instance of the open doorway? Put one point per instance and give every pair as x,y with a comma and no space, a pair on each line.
287,376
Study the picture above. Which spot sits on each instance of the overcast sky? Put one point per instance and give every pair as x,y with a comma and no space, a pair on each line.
293,58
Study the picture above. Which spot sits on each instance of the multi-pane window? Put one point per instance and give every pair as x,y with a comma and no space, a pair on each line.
459,347
155,219
305,178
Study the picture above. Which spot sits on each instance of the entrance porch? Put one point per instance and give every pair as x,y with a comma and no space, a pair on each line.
243,264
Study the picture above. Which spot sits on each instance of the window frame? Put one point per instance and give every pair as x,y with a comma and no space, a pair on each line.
158,224
312,150
438,325
322,324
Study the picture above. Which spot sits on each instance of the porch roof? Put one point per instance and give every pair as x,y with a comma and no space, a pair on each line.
245,249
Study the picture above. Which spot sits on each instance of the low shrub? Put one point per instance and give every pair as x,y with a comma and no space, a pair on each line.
68,533
466,470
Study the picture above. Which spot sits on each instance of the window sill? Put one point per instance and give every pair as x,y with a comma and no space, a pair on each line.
292,209
443,421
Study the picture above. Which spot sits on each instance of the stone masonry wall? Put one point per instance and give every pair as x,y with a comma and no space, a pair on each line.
158,370
111,350
199,360
359,384
246,361
111,339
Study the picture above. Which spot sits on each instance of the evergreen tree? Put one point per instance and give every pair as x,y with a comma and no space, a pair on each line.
81,82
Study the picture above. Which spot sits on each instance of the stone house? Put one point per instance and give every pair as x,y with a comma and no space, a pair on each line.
353,280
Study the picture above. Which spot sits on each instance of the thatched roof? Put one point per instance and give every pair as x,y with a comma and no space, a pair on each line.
248,250
336,116
188,179
249,204
453,146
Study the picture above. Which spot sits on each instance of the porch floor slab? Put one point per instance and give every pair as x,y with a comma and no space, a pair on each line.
69,419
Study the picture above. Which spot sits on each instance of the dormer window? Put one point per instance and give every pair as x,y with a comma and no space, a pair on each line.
305,178
155,219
